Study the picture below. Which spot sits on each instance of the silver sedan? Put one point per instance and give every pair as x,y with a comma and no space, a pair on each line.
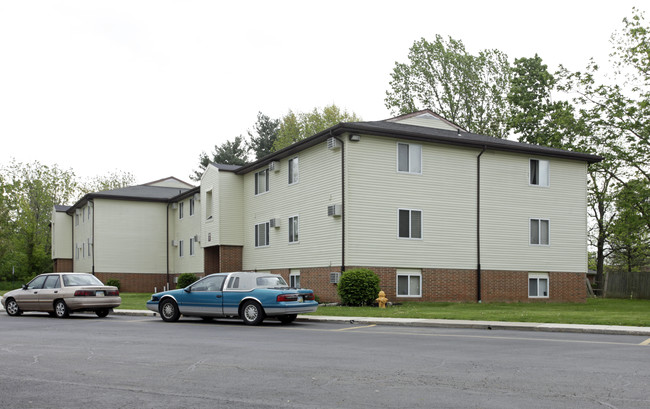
60,294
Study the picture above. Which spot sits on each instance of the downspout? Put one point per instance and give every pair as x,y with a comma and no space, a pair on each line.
478,225
167,241
342,201
92,233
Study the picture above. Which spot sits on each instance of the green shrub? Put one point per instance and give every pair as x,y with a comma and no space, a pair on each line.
114,282
358,287
185,279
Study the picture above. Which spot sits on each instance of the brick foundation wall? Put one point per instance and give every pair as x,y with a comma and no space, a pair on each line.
447,285
63,265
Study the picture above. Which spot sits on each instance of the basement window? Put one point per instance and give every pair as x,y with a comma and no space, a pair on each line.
538,285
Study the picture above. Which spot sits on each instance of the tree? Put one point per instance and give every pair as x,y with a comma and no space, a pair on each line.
619,112
35,189
469,90
114,180
266,131
630,240
229,153
295,127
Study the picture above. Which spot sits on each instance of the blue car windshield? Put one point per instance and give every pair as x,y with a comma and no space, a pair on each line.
271,281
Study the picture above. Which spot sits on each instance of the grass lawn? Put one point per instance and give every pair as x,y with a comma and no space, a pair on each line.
594,311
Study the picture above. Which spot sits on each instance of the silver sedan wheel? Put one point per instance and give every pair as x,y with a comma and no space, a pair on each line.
251,312
12,307
60,309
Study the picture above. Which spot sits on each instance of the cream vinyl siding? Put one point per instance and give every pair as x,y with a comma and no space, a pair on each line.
508,202
81,234
231,214
444,192
132,236
320,235
62,245
184,229
209,227
429,122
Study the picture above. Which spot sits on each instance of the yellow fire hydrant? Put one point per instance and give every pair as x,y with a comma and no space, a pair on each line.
382,300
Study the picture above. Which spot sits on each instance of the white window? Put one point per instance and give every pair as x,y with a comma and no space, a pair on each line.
294,229
180,248
262,182
191,246
83,215
88,247
83,250
409,158
180,210
538,285
262,234
294,279
540,232
89,212
409,283
76,246
539,172
293,171
192,207
409,224
76,219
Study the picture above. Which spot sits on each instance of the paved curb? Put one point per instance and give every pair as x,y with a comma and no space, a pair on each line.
436,323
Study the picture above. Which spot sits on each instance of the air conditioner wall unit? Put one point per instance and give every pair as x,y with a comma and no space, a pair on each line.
197,238
333,143
334,210
197,197
335,276
174,205
175,243
77,212
274,222
274,166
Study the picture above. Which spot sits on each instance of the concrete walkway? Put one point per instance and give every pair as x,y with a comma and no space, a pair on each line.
488,325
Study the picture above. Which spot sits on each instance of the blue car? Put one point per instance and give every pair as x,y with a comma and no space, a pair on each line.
250,296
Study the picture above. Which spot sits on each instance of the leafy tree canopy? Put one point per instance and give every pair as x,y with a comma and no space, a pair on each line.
467,89
295,127
233,152
266,131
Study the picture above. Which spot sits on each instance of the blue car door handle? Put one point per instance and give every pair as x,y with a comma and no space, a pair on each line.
218,296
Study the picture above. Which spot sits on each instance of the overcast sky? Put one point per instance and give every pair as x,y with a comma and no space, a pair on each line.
146,86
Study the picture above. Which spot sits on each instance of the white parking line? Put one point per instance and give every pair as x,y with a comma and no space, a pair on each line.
364,326
646,342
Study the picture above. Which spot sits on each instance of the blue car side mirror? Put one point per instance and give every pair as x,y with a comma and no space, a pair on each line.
187,289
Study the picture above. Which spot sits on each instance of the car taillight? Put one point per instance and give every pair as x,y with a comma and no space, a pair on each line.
112,293
308,297
287,297
84,293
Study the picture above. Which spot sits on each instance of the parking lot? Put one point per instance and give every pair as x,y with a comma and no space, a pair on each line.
123,361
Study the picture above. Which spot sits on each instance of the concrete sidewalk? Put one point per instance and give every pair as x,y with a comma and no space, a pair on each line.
488,325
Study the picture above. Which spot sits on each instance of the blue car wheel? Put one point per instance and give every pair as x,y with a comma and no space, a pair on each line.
169,310
252,313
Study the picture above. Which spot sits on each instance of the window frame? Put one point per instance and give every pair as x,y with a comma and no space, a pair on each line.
547,174
537,277
294,276
294,236
180,249
408,273
410,236
267,234
539,231
192,205
191,246
180,210
294,176
266,181
409,158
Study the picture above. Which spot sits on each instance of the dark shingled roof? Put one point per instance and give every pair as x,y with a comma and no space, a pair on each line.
140,193
227,168
61,208
422,134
